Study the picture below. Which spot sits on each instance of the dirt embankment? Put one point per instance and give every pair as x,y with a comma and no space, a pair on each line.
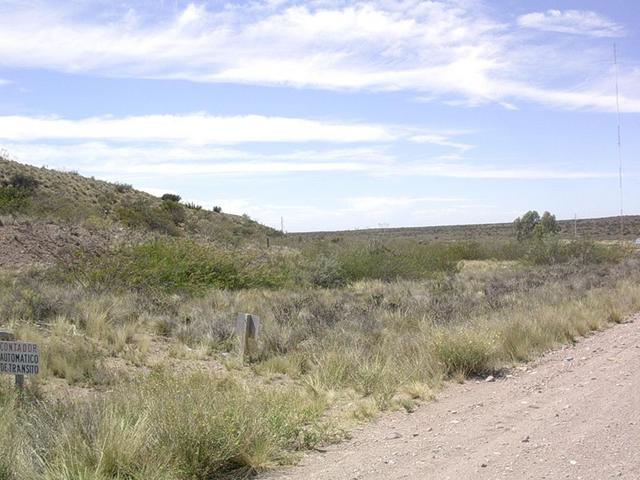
28,244
575,413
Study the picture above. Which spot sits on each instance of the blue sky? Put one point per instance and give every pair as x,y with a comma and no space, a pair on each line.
332,114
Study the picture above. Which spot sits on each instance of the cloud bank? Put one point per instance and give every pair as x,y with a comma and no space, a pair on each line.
449,50
577,22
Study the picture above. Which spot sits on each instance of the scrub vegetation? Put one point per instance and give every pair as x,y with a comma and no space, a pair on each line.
141,377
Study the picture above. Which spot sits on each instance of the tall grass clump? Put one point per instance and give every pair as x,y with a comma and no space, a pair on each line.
163,427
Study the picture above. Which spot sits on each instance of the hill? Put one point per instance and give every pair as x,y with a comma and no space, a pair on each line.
45,213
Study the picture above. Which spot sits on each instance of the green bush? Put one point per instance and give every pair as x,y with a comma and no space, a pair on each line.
142,214
175,211
177,265
323,271
122,187
16,193
13,200
410,261
552,250
22,182
170,197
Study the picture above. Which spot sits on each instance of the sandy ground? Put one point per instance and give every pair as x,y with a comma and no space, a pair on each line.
574,413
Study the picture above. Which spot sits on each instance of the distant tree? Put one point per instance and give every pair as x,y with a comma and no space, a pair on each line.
531,225
170,197
548,225
217,209
526,224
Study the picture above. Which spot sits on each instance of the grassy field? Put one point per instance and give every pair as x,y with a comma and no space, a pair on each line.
141,376
143,380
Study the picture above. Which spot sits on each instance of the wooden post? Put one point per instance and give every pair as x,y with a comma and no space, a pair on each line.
247,329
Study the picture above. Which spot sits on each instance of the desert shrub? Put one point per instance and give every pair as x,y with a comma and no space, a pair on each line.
217,209
323,271
170,197
142,214
29,301
122,187
200,324
22,182
382,262
16,193
193,206
173,265
552,250
175,210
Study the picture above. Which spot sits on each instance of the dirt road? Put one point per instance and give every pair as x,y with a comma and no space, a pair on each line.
574,413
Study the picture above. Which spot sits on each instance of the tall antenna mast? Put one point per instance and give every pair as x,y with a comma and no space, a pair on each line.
615,63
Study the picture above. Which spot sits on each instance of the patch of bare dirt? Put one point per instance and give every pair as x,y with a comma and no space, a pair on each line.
575,413
30,244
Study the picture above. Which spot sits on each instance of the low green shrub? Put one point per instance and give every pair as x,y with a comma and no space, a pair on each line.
16,193
122,187
171,197
180,265
14,200
377,261
142,214
552,250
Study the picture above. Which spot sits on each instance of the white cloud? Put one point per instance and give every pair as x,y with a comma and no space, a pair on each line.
578,22
123,162
196,129
448,50
442,140
462,169
4,81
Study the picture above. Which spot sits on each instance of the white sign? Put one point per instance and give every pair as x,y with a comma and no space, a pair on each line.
19,358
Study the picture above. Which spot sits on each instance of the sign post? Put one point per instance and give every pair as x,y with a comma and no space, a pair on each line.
247,329
18,358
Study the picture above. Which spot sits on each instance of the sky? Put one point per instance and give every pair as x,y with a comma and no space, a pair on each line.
332,114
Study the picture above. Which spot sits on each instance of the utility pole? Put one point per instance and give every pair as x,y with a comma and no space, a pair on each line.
615,63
